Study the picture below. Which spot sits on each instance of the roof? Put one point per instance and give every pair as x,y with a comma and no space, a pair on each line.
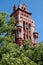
21,10
35,32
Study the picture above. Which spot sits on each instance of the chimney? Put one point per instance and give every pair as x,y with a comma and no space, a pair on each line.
14,8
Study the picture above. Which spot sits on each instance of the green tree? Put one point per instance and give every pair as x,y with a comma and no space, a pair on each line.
38,54
7,27
11,53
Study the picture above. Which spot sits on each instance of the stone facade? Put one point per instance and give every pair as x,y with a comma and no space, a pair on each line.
25,25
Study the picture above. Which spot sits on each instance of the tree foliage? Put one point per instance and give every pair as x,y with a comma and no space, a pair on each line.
12,54
7,24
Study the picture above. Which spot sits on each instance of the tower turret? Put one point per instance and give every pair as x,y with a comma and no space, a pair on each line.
35,35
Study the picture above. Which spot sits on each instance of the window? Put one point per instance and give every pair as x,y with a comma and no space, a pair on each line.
27,36
27,27
24,8
27,15
30,37
19,33
23,25
24,36
16,17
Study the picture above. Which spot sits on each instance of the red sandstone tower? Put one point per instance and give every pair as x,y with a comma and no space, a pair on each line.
25,25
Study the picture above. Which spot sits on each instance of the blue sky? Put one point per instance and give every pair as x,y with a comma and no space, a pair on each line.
34,6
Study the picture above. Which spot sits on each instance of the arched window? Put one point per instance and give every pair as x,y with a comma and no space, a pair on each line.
28,27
